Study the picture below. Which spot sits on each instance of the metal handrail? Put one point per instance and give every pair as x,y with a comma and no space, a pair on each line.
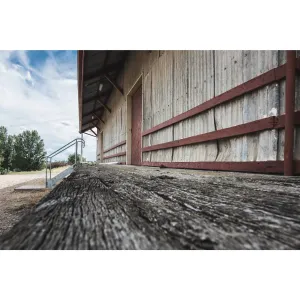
61,149
73,141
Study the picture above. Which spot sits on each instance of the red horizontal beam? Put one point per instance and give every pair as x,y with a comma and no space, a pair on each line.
251,127
260,81
115,146
247,128
115,155
275,167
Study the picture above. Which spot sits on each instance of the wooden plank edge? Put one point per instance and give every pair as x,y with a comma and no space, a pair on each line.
272,167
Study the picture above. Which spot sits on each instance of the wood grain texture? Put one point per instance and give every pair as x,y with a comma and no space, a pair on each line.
125,207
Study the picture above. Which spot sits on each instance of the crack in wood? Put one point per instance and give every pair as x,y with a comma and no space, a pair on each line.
118,207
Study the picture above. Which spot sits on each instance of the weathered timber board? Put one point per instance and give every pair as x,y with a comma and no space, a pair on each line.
122,207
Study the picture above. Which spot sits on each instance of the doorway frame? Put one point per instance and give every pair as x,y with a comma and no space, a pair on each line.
132,90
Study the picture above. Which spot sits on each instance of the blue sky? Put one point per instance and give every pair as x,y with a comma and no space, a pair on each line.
39,91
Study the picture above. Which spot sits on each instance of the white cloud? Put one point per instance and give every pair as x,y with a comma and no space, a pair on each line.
49,105
65,123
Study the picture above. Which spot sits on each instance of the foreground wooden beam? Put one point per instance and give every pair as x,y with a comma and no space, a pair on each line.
119,207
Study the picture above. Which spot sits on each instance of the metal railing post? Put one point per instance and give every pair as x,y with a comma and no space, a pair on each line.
46,171
65,147
76,153
50,168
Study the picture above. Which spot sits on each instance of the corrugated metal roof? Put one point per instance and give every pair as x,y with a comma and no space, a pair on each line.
94,67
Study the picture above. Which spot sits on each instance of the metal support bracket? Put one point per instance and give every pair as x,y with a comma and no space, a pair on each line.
93,131
104,105
98,118
89,134
114,84
95,124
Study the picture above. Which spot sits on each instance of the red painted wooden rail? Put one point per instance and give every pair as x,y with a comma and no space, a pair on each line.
260,81
115,155
115,146
272,167
247,128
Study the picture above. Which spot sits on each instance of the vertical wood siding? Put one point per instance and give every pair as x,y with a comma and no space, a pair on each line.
234,68
196,73
176,81
297,107
114,129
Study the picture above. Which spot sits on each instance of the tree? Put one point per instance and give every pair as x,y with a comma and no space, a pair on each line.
3,140
29,151
71,158
8,154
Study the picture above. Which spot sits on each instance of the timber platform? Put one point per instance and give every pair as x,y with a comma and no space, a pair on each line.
128,207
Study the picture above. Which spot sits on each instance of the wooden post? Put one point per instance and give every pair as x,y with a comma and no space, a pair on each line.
289,112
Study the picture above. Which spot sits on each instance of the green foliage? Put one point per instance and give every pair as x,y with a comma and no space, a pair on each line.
9,153
29,151
71,159
3,140
24,152
3,171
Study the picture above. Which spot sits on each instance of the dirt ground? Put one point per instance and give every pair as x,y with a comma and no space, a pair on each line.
13,205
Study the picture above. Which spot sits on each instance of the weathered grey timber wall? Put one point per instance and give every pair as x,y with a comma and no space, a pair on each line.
297,107
114,130
176,81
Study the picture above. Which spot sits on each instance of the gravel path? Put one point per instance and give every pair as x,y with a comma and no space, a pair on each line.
10,180
13,179
13,205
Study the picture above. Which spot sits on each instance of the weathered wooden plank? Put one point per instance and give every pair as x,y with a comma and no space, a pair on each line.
121,207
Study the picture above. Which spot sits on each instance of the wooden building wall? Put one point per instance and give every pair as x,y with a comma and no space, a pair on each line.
177,81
